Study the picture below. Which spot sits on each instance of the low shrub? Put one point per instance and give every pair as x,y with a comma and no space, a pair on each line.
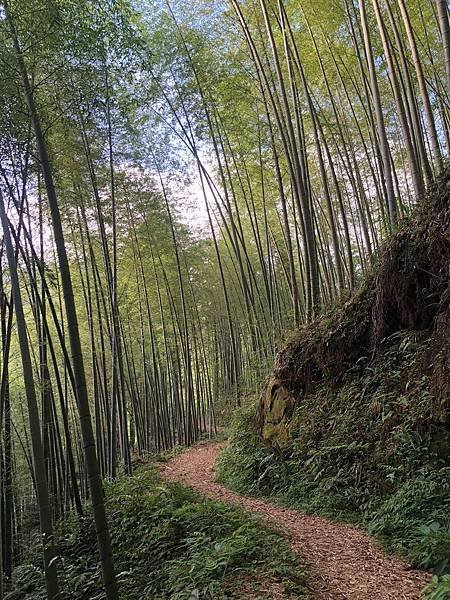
340,465
169,544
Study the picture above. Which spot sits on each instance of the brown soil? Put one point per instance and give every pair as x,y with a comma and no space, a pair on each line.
343,560
255,587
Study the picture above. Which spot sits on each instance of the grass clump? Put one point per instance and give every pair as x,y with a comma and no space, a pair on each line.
247,465
169,544
438,588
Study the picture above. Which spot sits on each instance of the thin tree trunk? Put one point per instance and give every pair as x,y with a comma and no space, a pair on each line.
384,145
442,7
422,85
45,518
95,482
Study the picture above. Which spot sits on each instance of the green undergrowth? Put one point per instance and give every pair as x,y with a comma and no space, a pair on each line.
373,449
438,588
168,544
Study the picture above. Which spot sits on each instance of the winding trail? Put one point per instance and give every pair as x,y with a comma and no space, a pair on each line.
344,562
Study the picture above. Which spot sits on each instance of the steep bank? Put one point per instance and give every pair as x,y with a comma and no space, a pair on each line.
354,416
407,295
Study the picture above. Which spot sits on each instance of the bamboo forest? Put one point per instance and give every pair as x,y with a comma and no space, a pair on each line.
224,299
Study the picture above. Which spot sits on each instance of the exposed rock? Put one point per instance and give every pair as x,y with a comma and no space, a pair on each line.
277,405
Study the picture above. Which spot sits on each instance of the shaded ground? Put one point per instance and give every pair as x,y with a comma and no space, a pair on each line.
253,587
343,560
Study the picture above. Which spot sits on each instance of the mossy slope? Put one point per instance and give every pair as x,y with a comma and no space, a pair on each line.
354,418
407,292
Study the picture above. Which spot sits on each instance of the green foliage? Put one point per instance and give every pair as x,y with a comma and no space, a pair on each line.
438,588
28,582
168,544
416,518
247,465
371,449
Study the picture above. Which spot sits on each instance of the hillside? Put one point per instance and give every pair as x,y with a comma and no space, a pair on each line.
353,420
406,301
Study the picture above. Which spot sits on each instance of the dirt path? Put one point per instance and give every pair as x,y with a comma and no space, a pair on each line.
343,560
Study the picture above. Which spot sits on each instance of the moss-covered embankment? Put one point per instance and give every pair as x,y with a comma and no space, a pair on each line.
407,297
354,416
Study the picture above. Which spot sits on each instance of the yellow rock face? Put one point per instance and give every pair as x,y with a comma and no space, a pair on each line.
277,405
